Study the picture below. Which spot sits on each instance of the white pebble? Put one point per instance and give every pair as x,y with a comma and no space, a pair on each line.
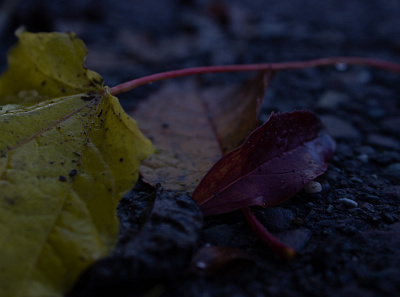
348,202
313,187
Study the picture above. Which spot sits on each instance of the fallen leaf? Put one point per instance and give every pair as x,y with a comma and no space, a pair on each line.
43,66
65,162
276,161
233,111
192,128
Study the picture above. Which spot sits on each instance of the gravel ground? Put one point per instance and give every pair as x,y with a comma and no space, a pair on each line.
348,235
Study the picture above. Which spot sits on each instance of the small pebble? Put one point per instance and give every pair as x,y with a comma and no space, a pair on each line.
296,239
348,202
356,180
389,218
371,198
365,150
313,187
368,207
278,218
332,99
363,158
341,66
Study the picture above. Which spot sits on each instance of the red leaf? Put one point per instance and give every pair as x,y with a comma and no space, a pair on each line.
276,161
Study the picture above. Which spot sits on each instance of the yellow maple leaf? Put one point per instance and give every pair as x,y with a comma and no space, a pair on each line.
65,162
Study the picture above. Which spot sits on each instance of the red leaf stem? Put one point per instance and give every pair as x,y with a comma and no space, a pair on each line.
376,63
267,238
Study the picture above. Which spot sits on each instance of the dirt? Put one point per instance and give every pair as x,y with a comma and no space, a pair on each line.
348,235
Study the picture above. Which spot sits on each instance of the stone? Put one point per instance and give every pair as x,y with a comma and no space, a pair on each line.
296,239
313,187
392,173
348,202
383,141
339,128
365,150
389,218
363,158
278,218
331,99
392,192
368,207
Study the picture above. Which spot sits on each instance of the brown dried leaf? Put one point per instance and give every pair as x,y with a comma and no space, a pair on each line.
193,128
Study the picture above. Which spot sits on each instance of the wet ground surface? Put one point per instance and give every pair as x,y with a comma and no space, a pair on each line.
348,235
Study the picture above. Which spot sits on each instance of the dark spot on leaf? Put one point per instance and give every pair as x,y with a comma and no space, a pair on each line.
43,83
77,154
62,178
88,97
9,200
121,159
98,82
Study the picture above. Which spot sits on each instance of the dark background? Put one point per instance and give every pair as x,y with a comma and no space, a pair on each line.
129,39
343,251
